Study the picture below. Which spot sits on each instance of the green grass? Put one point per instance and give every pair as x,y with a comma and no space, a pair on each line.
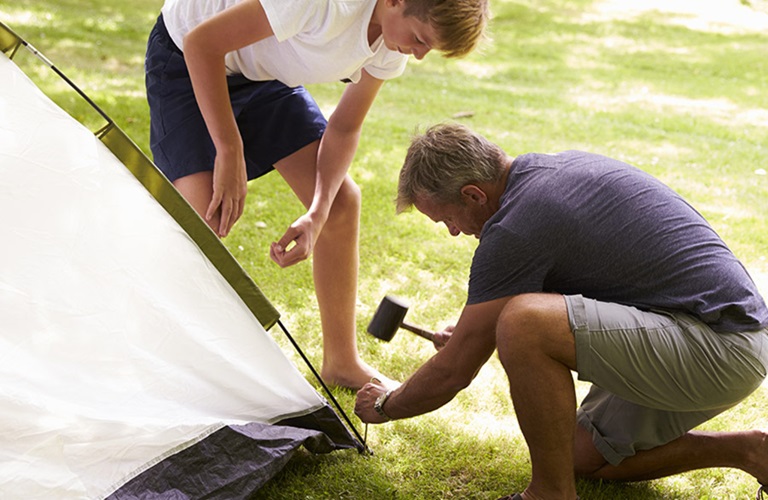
689,106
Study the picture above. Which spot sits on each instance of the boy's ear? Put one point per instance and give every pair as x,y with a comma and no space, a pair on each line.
473,194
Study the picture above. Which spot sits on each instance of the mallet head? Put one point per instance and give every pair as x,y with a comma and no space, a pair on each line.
387,318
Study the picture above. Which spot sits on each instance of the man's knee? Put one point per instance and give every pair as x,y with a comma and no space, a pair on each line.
523,309
528,317
535,323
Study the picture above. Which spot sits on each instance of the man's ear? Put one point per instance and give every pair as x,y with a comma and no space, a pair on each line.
473,194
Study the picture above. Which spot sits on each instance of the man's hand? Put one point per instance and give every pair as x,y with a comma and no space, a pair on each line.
442,338
230,186
303,234
366,398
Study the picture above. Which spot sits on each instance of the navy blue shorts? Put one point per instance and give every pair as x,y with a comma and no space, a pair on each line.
274,120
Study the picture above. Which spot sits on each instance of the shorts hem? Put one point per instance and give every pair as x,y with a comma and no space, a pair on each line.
609,454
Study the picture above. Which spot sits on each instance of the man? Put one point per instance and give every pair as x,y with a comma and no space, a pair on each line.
587,264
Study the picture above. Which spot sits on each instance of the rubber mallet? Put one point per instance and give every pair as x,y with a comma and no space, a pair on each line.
388,318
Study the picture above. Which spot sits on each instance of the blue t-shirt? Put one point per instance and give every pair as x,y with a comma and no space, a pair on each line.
579,223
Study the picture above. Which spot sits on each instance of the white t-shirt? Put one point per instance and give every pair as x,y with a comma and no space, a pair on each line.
316,41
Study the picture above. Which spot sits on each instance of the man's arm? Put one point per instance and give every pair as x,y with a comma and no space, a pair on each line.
337,150
445,374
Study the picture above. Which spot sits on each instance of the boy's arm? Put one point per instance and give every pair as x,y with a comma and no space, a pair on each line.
204,49
445,374
337,150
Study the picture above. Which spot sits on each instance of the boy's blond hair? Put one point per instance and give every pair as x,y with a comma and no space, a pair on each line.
443,160
458,24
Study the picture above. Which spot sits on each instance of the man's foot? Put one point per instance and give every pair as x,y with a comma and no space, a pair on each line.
356,376
758,457
517,496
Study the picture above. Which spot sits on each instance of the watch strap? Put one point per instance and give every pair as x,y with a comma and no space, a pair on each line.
379,405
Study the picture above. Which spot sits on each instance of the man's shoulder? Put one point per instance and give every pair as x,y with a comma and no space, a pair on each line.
561,157
575,166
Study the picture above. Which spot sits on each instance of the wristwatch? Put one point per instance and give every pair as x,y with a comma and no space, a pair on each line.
379,405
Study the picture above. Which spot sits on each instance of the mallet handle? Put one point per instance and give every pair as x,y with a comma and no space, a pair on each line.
418,331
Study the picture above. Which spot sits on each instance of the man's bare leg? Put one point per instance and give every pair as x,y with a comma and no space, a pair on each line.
746,450
537,349
538,352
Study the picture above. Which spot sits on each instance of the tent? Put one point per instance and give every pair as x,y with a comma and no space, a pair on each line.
135,360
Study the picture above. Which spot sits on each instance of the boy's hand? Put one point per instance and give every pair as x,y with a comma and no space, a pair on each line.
230,187
297,243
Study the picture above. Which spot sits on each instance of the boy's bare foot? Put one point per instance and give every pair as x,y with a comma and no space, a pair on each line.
355,376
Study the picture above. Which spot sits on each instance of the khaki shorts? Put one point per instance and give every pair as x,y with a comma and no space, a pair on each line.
656,375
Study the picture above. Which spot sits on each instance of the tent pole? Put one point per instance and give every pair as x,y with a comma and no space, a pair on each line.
110,124
64,77
362,440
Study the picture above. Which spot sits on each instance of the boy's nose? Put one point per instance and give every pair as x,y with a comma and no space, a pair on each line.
419,52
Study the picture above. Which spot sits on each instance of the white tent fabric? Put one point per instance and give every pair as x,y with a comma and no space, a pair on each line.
121,343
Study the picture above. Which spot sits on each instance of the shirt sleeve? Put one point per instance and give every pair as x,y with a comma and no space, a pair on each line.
387,64
505,265
290,17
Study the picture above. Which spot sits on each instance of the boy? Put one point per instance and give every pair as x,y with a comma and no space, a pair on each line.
226,106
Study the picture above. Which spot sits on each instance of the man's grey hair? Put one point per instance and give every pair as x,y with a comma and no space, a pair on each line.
443,160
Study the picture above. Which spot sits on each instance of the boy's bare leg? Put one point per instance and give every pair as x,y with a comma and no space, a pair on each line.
335,262
335,271
746,450
537,350
197,189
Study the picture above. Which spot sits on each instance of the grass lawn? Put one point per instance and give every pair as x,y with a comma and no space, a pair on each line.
682,96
